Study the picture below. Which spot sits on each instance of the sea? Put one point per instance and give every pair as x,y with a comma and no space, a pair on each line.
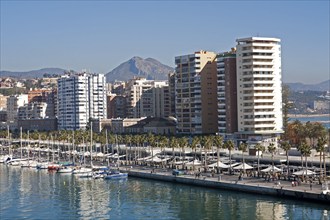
31,194
325,120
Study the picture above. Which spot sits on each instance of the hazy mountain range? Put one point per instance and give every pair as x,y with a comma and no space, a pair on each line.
32,73
148,68
322,86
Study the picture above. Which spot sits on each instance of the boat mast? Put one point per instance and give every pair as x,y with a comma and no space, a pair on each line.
39,147
52,140
21,142
117,151
73,148
107,144
9,151
84,150
91,143
28,145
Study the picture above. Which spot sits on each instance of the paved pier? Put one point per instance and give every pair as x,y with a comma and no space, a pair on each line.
254,185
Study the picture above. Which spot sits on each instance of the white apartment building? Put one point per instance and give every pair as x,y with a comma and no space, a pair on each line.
33,110
196,93
13,104
147,98
259,87
81,97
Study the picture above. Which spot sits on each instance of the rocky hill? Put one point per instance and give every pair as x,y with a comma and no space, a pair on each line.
139,67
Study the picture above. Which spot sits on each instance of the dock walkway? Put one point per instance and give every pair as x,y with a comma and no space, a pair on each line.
307,191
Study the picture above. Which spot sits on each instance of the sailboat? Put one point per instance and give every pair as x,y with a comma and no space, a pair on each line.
30,163
53,165
116,174
86,172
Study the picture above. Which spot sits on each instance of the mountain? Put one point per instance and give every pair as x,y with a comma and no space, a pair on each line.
138,67
33,73
322,86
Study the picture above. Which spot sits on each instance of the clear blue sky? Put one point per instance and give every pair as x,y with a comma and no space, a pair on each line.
99,35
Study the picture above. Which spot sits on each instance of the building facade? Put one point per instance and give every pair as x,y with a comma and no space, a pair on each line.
116,106
196,93
81,97
147,98
259,87
3,102
14,102
227,93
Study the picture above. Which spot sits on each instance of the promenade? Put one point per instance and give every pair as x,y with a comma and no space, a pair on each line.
279,188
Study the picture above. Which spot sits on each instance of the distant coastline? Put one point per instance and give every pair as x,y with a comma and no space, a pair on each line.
307,115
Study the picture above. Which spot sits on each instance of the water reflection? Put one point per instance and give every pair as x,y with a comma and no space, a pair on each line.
32,194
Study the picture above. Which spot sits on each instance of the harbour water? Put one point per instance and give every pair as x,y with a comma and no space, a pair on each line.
32,194
325,120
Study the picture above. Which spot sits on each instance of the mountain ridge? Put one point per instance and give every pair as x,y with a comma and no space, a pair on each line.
32,73
322,86
149,68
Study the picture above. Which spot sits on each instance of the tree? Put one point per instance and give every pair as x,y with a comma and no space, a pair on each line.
230,146
286,107
271,150
296,132
259,148
218,141
305,151
182,142
162,143
286,147
193,145
243,147
152,142
207,142
173,144
321,142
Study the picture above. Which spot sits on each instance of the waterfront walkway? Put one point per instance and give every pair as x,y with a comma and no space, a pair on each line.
282,188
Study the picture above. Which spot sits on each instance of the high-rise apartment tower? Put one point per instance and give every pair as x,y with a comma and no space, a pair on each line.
81,97
259,91
196,93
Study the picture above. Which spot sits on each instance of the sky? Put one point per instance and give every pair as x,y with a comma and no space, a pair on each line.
100,35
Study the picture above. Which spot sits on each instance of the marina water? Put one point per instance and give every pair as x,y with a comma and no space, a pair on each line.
32,194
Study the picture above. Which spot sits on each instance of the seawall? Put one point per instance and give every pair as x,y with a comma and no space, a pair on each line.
240,186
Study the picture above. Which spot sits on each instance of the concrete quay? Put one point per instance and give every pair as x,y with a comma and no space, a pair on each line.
254,185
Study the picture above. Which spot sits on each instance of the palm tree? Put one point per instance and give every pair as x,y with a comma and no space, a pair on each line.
152,142
207,145
243,147
193,145
321,141
135,141
230,146
182,142
271,150
286,147
305,151
173,144
129,141
259,148
218,141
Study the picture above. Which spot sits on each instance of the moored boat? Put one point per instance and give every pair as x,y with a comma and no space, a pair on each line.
53,166
65,169
116,175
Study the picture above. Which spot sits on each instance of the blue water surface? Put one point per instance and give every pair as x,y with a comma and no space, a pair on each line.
31,194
